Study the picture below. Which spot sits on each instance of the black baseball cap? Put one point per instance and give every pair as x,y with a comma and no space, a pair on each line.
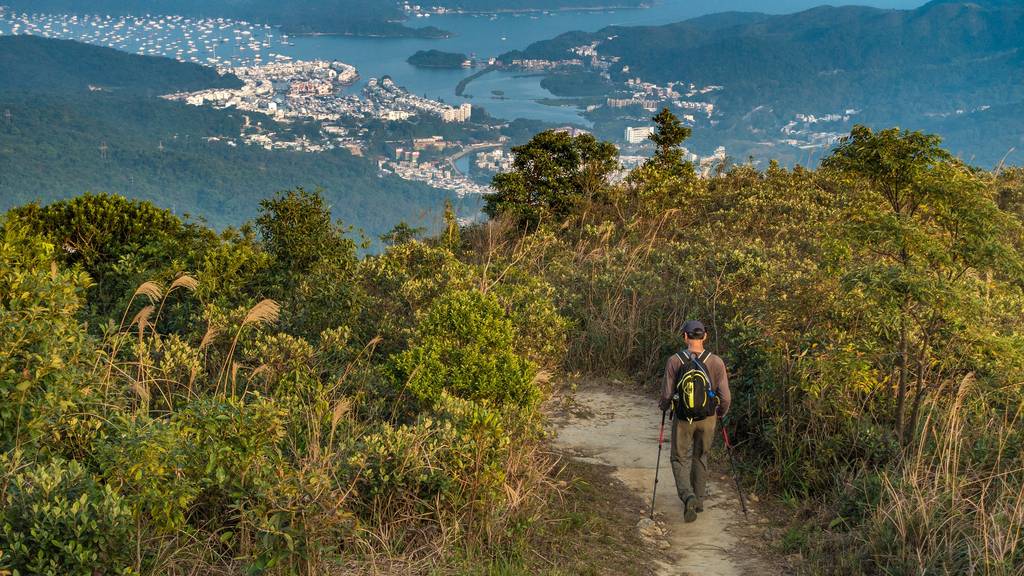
694,328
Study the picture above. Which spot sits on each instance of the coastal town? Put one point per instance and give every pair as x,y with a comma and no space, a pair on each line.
315,89
288,91
331,93
694,104
273,84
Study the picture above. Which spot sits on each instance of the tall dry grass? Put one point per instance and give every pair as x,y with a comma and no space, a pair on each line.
956,505
265,313
619,284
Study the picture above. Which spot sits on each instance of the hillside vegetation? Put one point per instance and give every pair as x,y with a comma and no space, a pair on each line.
73,67
63,138
869,312
175,400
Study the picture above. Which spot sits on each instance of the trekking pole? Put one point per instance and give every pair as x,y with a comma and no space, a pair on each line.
735,474
657,467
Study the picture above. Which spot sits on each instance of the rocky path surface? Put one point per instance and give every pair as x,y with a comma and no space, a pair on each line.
620,428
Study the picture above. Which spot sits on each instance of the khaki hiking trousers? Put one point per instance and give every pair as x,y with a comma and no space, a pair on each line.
691,444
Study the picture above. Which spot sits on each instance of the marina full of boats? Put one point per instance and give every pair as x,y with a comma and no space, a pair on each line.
216,42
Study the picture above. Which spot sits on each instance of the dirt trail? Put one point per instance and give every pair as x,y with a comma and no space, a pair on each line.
620,429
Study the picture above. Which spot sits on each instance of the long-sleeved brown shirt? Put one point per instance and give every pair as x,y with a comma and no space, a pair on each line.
719,379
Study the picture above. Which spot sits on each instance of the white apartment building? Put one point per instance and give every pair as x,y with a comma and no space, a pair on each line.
460,114
636,135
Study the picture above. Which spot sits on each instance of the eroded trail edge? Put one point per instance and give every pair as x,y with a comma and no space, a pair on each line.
619,428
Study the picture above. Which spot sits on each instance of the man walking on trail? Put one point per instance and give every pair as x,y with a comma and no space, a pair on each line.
694,427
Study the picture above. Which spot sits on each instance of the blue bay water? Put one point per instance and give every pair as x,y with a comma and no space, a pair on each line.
506,95
491,35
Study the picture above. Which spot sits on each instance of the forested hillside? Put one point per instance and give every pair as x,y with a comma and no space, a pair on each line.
43,65
812,54
264,401
921,69
62,139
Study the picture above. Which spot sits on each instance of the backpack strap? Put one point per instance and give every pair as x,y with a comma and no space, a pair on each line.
699,362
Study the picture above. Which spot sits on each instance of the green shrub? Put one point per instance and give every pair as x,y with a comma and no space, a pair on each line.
178,367
298,521
326,297
233,270
119,242
148,461
232,446
401,283
100,227
529,301
471,444
446,460
43,345
393,469
464,345
287,366
57,521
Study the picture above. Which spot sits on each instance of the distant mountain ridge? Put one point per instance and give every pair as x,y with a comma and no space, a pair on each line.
906,67
820,38
46,65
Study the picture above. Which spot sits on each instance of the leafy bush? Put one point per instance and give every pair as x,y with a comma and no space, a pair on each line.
287,366
100,229
464,345
319,292
150,463
117,241
446,460
232,447
529,301
58,520
42,342
473,443
401,283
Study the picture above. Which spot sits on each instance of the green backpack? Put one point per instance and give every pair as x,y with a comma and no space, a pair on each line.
695,397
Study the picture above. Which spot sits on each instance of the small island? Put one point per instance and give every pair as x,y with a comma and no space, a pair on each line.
438,59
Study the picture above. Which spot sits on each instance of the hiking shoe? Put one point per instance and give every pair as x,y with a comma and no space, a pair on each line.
698,505
690,509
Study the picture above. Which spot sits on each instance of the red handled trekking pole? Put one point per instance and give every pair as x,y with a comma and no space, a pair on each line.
735,475
657,467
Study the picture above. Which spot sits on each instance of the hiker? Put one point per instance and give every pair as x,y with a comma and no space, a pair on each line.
697,390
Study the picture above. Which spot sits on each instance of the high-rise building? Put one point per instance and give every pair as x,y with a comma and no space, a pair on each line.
636,135
460,114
